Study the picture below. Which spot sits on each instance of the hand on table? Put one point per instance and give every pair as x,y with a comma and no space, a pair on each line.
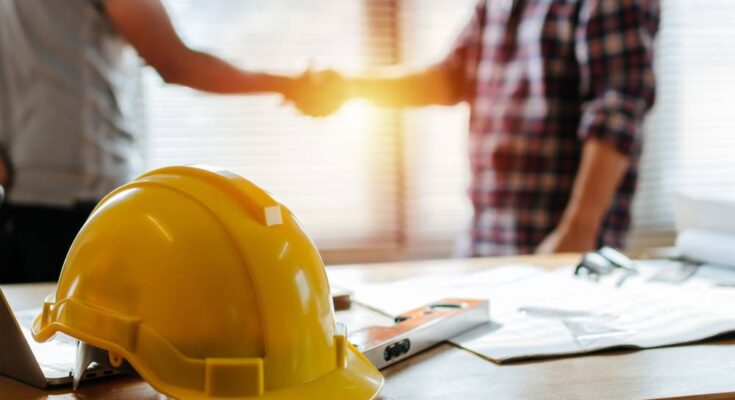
567,239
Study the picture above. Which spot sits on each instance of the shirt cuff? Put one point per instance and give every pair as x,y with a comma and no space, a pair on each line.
616,120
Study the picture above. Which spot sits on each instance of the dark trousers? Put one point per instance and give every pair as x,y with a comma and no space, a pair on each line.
34,240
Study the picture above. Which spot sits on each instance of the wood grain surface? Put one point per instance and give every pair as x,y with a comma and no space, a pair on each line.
703,370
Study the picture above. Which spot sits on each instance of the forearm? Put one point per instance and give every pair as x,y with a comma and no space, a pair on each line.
601,169
209,73
618,82
431,86
146,25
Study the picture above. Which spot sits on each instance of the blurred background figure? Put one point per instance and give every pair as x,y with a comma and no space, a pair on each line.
382,183
68,133
558,91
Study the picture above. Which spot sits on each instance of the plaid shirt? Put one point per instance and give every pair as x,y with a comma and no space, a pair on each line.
543,76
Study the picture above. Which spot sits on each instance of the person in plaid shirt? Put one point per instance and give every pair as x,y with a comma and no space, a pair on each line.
558,90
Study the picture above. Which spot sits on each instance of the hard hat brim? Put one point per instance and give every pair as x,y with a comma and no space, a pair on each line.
358,380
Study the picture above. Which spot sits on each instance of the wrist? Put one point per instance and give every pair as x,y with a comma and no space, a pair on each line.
354,87
278,84
581,222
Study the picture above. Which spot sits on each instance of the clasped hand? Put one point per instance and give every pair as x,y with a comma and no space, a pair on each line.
318,93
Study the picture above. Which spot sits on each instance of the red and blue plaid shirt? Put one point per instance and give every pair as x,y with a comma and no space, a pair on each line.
543,76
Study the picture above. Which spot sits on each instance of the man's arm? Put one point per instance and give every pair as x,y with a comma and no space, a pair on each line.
436,85
147,26
445,83
615,53
600,171
322,93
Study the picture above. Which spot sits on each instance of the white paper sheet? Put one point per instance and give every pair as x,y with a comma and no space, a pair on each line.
397,297
638,314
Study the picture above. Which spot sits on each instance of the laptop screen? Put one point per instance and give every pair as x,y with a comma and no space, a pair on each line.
57,355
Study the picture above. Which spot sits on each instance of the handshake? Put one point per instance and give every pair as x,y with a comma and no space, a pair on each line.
317,93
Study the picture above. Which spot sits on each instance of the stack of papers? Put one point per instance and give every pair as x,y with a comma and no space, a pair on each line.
537,313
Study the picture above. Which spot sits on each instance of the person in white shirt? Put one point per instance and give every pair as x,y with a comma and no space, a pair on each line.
68,133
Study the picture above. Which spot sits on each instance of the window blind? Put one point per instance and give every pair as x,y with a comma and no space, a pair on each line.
689,137
436,167
338,174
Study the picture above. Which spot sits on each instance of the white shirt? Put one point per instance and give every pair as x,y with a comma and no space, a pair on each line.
69,94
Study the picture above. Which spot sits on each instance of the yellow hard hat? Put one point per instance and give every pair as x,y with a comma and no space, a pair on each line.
210,289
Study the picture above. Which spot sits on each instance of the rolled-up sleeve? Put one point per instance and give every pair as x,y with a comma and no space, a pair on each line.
614,48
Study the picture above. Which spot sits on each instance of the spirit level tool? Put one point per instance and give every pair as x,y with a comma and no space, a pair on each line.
413,332
419,329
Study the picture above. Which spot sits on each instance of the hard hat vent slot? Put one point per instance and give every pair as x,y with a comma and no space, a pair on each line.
227,377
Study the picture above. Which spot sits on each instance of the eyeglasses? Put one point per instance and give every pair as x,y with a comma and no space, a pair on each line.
605,261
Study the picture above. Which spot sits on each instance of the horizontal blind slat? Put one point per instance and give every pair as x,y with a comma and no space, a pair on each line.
688,137
338,174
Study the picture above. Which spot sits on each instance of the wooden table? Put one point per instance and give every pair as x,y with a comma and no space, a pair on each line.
704,370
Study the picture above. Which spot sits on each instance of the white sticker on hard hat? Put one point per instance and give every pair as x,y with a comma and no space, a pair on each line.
273,216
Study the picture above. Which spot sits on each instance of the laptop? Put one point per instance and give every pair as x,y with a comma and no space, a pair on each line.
42,365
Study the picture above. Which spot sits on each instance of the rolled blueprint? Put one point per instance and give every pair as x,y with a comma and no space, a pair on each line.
707,246
711,214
